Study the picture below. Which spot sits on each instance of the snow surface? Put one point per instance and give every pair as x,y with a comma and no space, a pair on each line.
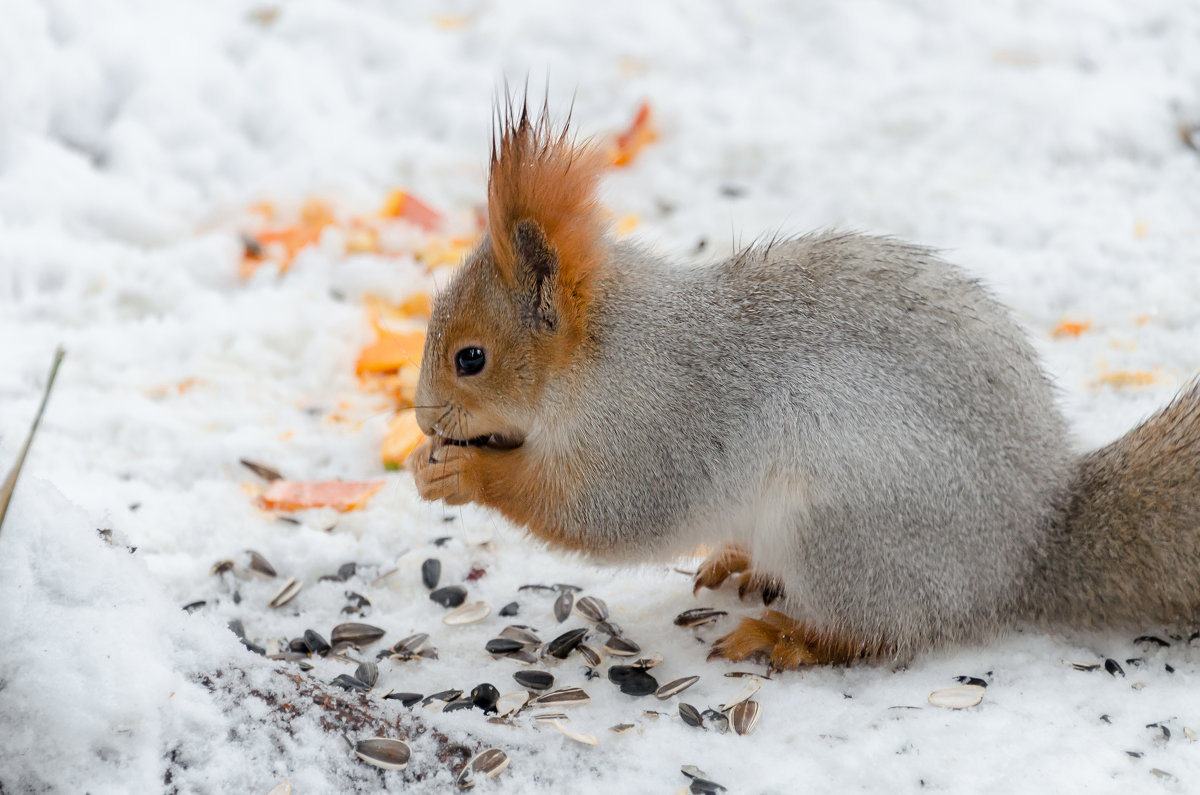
1037,143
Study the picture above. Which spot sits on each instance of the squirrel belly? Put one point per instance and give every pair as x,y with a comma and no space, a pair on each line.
867,426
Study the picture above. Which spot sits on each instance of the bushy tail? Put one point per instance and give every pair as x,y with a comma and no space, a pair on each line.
1126,549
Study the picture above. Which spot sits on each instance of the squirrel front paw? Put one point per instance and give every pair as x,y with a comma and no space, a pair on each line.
732,559
786,643
446,472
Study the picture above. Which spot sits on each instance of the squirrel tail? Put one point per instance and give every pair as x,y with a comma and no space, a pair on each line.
1125,550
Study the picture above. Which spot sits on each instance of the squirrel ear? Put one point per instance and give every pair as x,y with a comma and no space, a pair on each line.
536,274
547,232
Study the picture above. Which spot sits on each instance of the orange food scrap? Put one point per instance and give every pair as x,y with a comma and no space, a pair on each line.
403,205
417,305
390,352
403,436
445,251
1072,328
630,142
315,215
1142,320
1120,379
292,495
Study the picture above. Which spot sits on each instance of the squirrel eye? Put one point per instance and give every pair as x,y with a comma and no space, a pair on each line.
469,361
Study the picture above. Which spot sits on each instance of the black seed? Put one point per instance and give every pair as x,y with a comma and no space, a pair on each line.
1106,718
535,680
510,609
459,703
193,606
407,699
971,680
355,634
563,605
1135,754
536,587
503,646
697,616
565,643
298,645
690,715
632,681
1168,668
254,647
1166,733
484,696
431,571
702,786
1113,667
315,643
235,626
237,597
1134,661
1151,639
450,596
350,683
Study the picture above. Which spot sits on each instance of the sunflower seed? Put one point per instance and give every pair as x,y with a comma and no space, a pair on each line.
520,634
563,605
675,686
511,703
299,645
562,586
449,596
647,662
431,571
468,613
484,696
260,565
592,609
314,642
690,715
701,784
749,688
488,764
589,655
971,680
744,717
621,728
348,682
1113,667
698,616
441,699
221,566
567,696
535,680
264,472
407,699
413,643
367,673
510,609
383,752
632,681
546,717
958,697
608,628
1151,640
1081,666
621,647
191,607
536,587
286,593
579,737
565,643
455,705
502,646
355,634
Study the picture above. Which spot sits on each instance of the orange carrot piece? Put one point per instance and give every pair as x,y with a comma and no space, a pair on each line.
640,133
1072,328
401,204
292,495
403,436
390,352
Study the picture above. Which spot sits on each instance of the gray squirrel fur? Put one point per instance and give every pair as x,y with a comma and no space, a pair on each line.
861,417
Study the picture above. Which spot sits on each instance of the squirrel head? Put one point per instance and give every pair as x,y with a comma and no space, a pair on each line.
517,311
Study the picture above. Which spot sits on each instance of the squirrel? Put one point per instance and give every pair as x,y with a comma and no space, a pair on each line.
859,428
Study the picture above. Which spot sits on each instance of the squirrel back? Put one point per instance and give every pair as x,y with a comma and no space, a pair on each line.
859,416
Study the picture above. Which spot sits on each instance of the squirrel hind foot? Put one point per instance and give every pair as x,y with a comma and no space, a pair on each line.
787,643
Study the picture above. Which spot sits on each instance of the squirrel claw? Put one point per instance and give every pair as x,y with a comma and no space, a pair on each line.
785,642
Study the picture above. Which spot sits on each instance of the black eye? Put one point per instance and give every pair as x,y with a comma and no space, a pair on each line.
469,361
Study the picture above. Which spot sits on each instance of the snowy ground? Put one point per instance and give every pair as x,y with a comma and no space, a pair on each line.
1037,143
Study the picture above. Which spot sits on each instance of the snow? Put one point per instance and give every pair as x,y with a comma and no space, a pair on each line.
1036,143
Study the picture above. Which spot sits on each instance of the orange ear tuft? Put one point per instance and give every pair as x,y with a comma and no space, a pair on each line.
540,174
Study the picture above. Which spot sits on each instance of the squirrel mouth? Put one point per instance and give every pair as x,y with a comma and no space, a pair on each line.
494,441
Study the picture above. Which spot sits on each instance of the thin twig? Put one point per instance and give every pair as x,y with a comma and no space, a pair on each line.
10,482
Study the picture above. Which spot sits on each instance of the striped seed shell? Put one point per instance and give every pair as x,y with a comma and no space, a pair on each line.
698,616
259,564
413,643
592,608
521,634
367,673
690,715
744,717
286,593
566,696
511,703
485,764
750,687
647,662
621,647
675,686
621,728
355,633
547,717
384,752
565,643
589,655
468,613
